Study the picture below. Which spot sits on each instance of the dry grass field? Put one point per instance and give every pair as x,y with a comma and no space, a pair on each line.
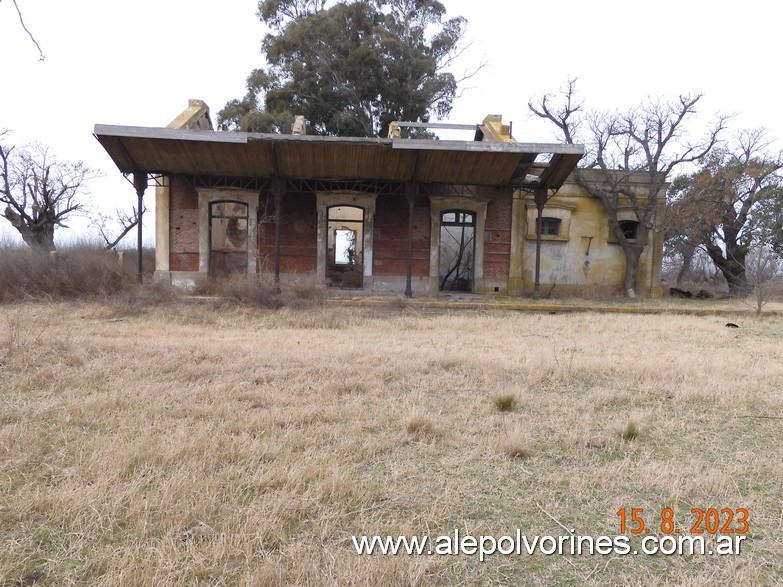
274,436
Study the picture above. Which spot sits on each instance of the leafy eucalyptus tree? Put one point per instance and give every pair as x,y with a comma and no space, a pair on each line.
350,67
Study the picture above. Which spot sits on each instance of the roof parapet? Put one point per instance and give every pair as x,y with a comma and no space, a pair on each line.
299,127
194,117
494,130
490,130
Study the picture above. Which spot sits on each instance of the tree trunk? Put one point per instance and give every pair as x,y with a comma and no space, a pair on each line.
39,236
738,282
732,266
687,261
632,256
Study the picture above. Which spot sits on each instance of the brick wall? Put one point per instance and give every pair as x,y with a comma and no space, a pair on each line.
390,246
497,248
183,207
298,234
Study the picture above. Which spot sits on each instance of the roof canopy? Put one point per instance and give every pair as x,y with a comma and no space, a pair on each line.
233,154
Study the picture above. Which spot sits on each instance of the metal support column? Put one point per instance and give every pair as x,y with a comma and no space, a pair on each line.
278,191
540,199
140,184
411,191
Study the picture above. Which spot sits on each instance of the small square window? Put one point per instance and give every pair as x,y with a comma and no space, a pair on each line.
550,226
629,228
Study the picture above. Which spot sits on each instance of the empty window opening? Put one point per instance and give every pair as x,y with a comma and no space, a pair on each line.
629,228
457,250
344,258
228,240
550,226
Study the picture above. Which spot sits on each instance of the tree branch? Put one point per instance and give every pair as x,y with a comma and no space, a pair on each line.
24,26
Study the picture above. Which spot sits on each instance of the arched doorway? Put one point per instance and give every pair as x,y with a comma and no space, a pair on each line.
457,250
345,246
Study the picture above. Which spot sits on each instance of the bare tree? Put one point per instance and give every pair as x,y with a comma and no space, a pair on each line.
106,225
38,192
648,140
764,270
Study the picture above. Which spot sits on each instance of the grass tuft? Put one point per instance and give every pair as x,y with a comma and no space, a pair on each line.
244,290
515,445
506,402
630,431
397,304
423,428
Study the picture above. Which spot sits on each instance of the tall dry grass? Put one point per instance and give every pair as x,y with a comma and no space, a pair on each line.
195,446
78,270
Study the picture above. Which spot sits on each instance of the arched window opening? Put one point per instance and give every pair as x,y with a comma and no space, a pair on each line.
228,238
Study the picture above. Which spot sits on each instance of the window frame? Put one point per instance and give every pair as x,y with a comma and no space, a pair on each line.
547,223
239,250
554,210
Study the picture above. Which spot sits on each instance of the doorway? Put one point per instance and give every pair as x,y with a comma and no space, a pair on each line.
345,247
228,238
457,250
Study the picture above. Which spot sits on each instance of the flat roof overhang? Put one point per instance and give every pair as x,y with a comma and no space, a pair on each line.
169,151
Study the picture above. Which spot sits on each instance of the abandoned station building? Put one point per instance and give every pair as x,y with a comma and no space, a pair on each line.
385,215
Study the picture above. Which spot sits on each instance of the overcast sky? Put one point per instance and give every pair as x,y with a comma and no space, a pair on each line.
138,63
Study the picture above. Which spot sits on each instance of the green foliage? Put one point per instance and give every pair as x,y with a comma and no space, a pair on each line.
350,69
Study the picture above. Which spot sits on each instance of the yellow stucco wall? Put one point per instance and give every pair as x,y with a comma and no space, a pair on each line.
585,259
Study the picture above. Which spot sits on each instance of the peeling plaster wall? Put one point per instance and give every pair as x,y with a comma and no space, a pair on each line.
568,266
178,255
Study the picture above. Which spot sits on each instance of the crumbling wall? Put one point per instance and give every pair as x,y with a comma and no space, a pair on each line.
184,227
